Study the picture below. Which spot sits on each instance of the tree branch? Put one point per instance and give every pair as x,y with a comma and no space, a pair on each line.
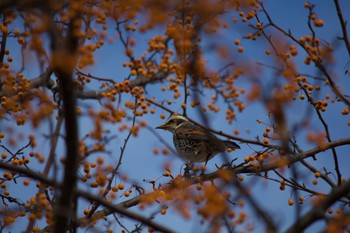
318,210
64,60
343,26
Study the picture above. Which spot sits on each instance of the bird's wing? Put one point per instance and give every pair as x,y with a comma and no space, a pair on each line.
192,132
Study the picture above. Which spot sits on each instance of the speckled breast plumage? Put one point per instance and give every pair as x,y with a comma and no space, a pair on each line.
190,150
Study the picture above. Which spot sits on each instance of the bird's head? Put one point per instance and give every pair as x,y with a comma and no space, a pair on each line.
173,122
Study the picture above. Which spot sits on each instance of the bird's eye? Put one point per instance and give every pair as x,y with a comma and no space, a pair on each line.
171,121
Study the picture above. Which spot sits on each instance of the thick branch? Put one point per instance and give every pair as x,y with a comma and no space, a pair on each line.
64,60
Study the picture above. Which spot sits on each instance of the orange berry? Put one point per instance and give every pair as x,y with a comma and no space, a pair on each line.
100,160
317,174
167,173
294,52
86,212
231,213
290,202
41,159
165,151
155,151
94,184
31,216
251,164
163,211
8,220
26,182
128,52
121,186
240,203
20,40
345,111
318,23
115,189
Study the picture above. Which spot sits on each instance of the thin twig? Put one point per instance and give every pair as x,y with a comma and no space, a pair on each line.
343,25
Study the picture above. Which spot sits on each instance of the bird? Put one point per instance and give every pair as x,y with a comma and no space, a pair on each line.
193,143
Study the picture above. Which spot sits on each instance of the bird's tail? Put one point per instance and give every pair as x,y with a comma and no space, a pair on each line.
232,145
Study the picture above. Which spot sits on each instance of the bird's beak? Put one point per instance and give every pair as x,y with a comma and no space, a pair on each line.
162,127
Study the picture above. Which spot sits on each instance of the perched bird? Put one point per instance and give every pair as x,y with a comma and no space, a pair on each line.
193,143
